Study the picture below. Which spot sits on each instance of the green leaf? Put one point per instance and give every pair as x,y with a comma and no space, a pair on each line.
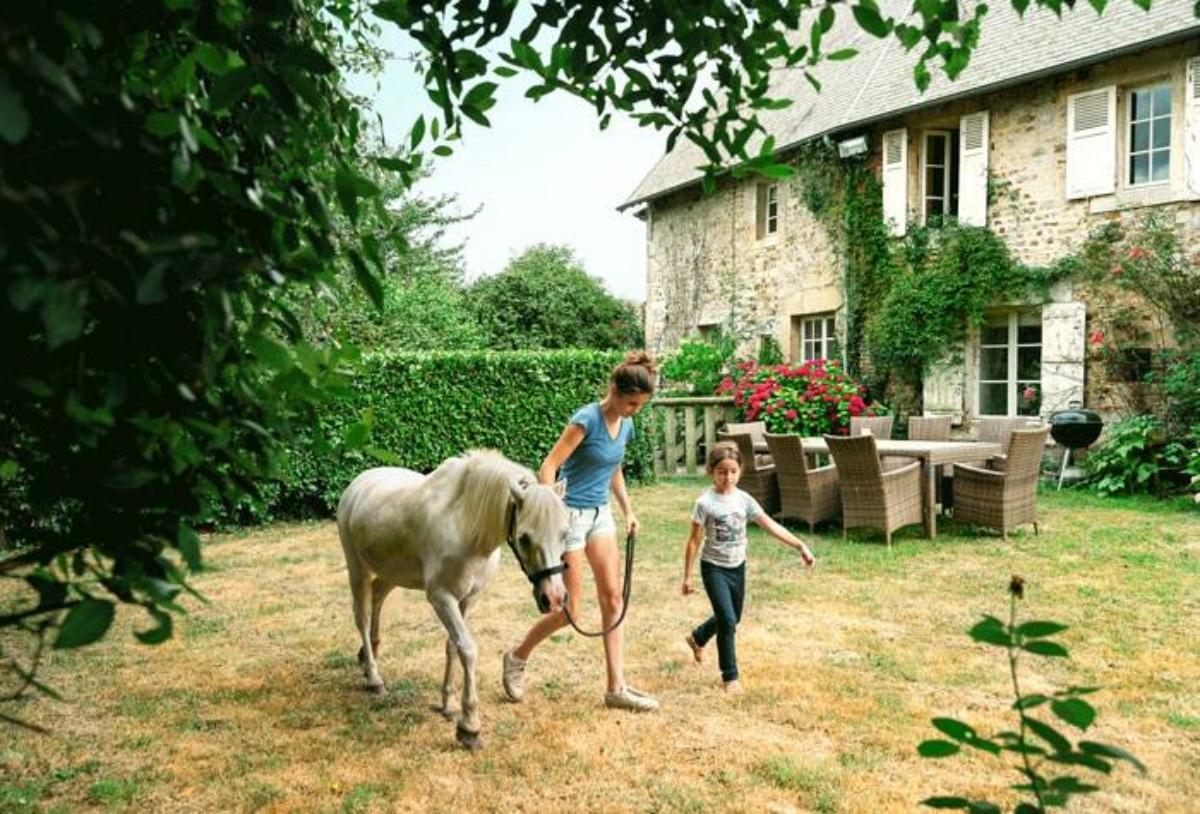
366,279
776,171
230,87
1049,734
418,132
937,748
954,728
62,314
946,802
14,118
1044,648
1036,629
189,546
1030,701
85,623
842,54
270,351
868,19
1075,711
1104,750
160,632
443,150
356,435
991,631
505,71
151,288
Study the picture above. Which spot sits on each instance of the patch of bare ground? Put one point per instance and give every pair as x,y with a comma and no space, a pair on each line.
257,703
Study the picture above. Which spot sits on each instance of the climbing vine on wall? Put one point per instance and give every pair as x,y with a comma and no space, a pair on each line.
910,301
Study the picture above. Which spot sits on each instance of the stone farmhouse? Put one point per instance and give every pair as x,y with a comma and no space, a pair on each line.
1055,127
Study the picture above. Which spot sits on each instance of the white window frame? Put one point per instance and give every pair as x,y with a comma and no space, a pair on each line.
1012,345
824,334
947,191
766,210
1150,149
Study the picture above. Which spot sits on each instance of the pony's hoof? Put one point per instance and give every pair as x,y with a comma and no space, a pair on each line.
446,712
471,740
376,689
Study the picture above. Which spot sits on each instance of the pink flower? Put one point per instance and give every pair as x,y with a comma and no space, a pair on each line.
1097,338
1137,252
790,415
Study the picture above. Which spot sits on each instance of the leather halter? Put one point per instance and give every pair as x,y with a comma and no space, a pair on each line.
536,576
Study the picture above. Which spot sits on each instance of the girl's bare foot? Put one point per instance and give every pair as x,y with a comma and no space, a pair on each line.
733,687
697,650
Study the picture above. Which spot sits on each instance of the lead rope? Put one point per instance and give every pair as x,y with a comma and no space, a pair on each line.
627,592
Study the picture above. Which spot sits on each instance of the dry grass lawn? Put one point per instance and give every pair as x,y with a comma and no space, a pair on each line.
256,704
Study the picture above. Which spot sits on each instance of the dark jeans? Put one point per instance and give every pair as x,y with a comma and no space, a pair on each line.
726,588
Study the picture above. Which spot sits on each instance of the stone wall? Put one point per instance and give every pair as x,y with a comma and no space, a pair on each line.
705,262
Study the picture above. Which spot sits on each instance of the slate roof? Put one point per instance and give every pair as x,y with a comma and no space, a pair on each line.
878,82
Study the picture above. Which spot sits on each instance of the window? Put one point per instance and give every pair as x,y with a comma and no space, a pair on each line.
819,339
767,210
939,175
1149,135
1010,364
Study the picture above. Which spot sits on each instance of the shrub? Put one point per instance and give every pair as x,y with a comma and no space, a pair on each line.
698,366
813,398
1135,457
417,409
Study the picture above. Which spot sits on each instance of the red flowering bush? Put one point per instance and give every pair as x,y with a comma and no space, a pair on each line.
814,398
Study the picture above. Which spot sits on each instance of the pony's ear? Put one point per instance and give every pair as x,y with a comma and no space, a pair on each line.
517,488
560,488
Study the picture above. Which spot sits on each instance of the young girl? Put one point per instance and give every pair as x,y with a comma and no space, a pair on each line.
589,453
720,515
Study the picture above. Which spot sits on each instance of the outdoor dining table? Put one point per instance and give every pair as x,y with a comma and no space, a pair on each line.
932,454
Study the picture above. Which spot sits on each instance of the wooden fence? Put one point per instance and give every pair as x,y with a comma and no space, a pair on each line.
685,428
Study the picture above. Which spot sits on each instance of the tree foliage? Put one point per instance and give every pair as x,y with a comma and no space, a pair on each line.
544,299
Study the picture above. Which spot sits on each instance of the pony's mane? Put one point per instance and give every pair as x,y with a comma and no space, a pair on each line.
483,492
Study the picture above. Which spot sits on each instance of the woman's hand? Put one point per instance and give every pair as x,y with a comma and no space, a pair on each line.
631,524
687,586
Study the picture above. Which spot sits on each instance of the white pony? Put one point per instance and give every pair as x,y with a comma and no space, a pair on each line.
441,533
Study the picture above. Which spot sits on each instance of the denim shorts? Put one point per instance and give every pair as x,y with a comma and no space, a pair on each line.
587,523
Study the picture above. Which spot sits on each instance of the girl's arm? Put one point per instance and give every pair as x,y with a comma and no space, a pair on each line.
570,439
784,536
689,555
622,496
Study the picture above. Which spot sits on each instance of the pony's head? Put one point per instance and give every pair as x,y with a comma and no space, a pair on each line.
537,533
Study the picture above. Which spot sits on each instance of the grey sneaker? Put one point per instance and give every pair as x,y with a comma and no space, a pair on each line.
514,676
631,699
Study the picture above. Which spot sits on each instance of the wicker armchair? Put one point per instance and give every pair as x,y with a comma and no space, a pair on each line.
1006,499
880,425
929,427
998,430
758,480
805,494
870,496
758,434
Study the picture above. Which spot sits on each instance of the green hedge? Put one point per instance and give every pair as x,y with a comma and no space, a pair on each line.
422,408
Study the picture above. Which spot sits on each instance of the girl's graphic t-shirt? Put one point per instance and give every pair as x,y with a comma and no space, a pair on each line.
724,517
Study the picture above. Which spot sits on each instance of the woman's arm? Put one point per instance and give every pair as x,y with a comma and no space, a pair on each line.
570,439
784,536
689,555
622,496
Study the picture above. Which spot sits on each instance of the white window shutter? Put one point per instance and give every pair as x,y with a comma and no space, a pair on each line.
973,169
895,180
1191,147
1092,143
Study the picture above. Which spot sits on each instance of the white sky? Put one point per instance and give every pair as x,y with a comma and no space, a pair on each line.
543,173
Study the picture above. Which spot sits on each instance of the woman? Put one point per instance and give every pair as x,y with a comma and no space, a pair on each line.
589,453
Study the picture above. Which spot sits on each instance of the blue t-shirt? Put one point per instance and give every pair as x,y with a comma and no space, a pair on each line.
590,468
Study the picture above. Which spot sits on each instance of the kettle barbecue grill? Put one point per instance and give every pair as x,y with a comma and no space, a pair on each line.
1074,428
